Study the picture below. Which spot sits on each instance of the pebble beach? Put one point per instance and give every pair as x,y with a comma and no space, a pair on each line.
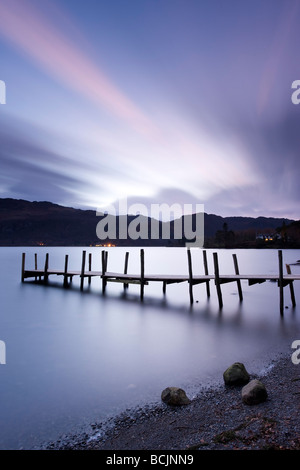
216,419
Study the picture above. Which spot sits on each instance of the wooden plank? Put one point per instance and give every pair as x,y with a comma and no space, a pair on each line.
169,278
281,300
128,281
206,272
173,281
226,280
293,299
217,280
197,281
262,277
190,268
82,269
252,281
236,268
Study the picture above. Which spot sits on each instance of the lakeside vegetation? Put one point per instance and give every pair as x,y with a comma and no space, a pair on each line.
284,236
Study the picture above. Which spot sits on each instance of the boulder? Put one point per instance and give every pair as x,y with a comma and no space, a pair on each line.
236,374
174,396
254,392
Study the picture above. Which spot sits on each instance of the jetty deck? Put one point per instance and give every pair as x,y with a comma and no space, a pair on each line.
144,279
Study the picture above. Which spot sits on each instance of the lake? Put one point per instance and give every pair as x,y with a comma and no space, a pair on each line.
75,358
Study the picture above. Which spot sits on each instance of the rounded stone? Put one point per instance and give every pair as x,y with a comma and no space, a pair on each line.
254,393
236,374
174,396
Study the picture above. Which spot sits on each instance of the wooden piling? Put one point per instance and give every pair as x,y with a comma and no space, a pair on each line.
280,282
190,267
125,285
90,267
23,267
35,264
82,269
236,268
217,280
142,274
206,272
293,299
66,271
46,268
104,266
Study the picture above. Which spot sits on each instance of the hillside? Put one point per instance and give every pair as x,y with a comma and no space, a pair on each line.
24,223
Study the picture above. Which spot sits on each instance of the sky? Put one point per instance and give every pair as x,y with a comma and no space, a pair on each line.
152,102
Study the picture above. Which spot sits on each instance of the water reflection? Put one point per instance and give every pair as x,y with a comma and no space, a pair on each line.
76,357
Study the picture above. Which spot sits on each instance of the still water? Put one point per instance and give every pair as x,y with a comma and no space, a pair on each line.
76,358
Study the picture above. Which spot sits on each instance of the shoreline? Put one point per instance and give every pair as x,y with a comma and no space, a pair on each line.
216,419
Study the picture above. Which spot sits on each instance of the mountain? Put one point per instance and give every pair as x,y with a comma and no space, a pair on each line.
25,223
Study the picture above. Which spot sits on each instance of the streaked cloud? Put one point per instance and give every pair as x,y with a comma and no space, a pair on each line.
177,121
279,49
29,29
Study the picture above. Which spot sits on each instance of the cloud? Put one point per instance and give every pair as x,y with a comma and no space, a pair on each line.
179,154
32,170
273,147
106,146
39,164
165,204
274,65
32,32
254,201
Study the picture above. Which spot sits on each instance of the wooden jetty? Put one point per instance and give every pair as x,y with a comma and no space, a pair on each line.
142,278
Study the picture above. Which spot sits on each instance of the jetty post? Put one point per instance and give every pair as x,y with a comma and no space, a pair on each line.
280,282
90,268
237,272
190,267
142,254
66,271
125,285
35,264
46,267
206,272
288,270
82,270
217,280
104,267
23,267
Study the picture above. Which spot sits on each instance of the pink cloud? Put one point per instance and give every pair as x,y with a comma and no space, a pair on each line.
273,63
30,30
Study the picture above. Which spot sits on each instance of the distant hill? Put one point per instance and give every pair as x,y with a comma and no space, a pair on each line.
260,224
24,223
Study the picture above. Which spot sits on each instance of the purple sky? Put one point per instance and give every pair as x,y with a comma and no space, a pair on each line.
157,101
